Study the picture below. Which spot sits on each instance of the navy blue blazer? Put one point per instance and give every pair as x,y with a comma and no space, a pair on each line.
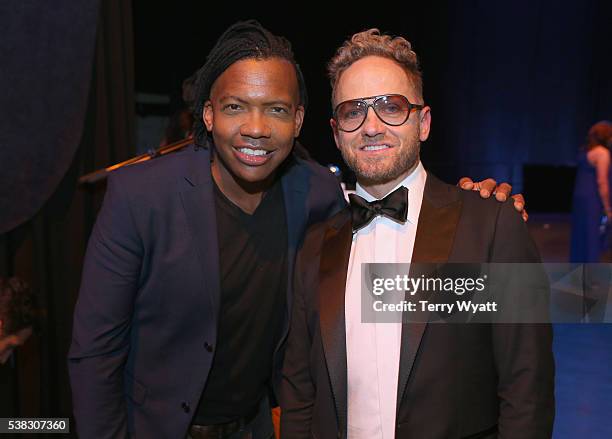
145,323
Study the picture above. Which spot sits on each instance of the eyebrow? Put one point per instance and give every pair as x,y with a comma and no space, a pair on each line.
235,98
267,104
286,104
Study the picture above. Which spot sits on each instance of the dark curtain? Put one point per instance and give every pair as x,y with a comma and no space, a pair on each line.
523,83
46,70
48,249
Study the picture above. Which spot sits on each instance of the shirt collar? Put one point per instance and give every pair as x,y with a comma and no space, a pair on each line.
414,182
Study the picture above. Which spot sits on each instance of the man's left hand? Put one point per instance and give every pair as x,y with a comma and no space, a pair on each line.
501,192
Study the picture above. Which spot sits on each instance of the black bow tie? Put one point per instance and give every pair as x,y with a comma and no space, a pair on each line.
394,206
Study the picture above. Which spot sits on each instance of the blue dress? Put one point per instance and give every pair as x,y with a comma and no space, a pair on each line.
587,241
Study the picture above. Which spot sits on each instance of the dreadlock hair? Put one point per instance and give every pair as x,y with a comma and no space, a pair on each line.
242,40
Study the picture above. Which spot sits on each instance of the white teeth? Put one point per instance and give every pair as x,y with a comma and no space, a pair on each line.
375,147
250,151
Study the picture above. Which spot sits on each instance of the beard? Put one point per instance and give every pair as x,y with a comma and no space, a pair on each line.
375,170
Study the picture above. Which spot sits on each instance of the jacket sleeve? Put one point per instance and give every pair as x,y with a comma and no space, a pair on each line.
523,351
102,319
297,390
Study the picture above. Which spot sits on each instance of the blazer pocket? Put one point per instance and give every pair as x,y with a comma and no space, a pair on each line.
134,390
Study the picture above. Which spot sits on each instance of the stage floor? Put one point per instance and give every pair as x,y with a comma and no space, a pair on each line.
583,353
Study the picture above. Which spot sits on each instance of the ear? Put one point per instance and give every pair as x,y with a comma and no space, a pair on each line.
298,120
208,115
334,127
424,123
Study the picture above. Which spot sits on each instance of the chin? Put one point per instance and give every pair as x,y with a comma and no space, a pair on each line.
376,172
254,176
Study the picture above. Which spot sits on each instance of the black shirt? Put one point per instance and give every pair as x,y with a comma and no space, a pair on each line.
253,264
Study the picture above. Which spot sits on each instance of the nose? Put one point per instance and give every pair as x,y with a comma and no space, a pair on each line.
255,126
372,125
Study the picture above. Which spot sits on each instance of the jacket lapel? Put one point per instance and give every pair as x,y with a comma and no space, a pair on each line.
438,219
197,196
332,283
295,188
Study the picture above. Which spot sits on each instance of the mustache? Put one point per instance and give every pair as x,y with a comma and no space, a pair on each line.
362,143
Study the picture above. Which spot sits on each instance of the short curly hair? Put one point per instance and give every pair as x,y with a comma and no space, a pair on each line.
372,43
18,308
599,134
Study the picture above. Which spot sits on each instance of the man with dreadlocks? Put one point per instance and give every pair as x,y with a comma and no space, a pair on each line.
183,304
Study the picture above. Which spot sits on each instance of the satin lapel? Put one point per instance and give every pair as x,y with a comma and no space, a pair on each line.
438,219
198,201
332,283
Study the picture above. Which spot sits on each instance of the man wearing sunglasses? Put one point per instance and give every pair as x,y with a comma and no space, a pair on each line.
346,378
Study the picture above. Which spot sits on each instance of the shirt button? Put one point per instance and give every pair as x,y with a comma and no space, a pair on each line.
208,347
185,407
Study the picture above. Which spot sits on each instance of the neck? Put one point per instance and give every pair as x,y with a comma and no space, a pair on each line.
244,194
380,189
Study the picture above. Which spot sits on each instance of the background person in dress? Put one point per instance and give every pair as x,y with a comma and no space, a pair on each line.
592,211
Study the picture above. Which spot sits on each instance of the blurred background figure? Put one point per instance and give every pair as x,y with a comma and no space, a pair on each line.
17,315
179,126
591,210
180,123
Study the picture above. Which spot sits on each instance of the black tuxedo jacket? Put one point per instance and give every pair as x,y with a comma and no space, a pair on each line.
455,380
145,324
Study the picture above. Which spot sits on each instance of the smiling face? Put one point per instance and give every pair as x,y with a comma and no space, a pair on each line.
254,116
380,154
